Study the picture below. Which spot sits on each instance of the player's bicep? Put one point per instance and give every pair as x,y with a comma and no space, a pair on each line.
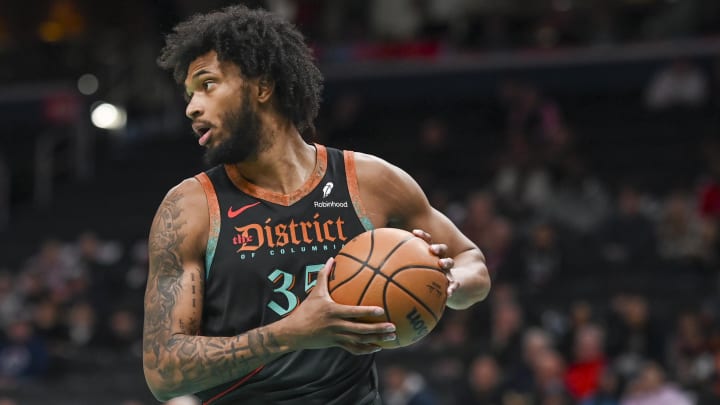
413,211
173,297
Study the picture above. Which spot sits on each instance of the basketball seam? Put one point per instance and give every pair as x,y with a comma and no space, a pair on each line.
408,292
416,266
364,263
378,271
375,271
347,280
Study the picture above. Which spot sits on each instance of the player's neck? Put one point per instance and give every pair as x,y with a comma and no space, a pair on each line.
284,165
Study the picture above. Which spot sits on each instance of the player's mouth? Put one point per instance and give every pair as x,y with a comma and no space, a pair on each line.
203,130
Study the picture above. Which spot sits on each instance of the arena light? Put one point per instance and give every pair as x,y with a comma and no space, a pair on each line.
108,116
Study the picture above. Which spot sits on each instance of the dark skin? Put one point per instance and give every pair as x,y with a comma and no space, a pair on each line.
176,359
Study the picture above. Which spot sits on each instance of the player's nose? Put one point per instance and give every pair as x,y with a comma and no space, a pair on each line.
193,109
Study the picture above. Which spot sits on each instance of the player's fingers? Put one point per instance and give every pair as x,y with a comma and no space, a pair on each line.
451,289
439,249
321,287
365,328
446,263
453,285
352,311
422,235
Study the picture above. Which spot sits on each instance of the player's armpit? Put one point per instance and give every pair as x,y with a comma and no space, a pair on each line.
175,360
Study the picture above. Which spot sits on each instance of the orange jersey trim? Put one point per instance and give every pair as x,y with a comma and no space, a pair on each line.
214,211
279,198
354,189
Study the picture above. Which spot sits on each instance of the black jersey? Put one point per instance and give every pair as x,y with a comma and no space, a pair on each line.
263,255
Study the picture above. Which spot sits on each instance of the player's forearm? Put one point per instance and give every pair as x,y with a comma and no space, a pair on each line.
187,364
472,275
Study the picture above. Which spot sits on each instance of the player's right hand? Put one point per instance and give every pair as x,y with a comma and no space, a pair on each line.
319,322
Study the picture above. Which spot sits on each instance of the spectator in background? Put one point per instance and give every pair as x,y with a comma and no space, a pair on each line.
32,287
479,214
483,385
633,336
532,117
49,324
99,261
498,246
608,390
581,315
627,237
589,360
522,185
23,355
709,190
124,334
405,387
82,326
578,201
649,387
710,391
681,232
506,333
542,259
548,373
447,353
688,355
135,277
53,266
680,84
520,375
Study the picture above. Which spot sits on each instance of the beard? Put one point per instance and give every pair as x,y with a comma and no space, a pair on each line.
244,127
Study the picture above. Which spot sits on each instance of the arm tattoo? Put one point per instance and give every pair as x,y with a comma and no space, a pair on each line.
164,277
180,361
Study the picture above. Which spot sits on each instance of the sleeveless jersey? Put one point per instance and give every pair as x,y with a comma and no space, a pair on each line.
263,255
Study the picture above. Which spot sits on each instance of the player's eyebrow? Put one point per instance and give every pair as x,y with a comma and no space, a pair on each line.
188,94
199,72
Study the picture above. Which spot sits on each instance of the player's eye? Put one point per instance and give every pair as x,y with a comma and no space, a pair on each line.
208,84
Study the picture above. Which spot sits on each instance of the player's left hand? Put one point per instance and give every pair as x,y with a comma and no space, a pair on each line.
446,263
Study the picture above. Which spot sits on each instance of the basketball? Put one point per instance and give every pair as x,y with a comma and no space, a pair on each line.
393,269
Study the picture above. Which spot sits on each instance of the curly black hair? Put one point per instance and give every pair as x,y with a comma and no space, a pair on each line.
261,44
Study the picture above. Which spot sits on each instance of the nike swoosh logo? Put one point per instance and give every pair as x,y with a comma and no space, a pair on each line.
233,213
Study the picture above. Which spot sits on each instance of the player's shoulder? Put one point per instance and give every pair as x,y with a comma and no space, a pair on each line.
186,206
187,191
371,165
376,170
188,199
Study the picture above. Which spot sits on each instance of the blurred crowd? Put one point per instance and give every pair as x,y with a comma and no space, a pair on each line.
73,308
605,292
80,36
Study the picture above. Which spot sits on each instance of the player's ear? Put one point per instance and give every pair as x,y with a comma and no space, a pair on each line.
265,89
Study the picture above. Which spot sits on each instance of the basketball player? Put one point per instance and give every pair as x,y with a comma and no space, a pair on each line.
237,308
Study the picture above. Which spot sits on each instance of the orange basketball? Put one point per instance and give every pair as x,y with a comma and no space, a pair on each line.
393,269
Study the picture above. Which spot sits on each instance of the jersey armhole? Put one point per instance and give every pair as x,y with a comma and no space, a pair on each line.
354,190
214,211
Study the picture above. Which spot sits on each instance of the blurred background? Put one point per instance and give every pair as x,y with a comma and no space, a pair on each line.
575,141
